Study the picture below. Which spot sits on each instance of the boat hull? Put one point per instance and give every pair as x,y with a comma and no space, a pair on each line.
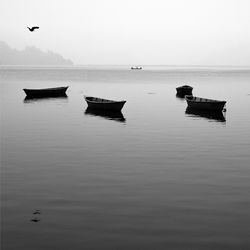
104,104
204,104
136,68
49,92
184,90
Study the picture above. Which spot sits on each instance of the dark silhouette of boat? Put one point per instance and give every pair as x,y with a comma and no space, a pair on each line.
104,104
136,67
48,92
195,102
209,115
109,115
184,90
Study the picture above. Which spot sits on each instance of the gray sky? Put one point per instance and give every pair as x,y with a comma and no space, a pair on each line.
162,32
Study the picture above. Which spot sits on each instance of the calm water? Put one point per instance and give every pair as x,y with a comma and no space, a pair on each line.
153,177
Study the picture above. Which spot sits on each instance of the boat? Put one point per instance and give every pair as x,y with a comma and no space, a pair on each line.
184,90
109,115
208,115
195,102
104,104
136,67
48,92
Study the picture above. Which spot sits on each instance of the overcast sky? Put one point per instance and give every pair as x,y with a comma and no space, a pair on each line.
162,32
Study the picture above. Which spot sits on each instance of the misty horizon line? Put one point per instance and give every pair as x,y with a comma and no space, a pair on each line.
125,65
68,63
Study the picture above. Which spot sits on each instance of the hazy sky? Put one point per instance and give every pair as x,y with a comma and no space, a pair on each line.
186,32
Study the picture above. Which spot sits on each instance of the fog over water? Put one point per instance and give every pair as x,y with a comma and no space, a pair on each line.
162,32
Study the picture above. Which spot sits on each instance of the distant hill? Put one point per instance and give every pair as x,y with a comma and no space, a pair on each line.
30,56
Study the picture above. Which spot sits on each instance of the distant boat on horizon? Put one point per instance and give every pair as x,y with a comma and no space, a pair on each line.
136,67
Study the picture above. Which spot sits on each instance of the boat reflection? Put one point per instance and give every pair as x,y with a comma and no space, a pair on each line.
61,98
109,115
209,115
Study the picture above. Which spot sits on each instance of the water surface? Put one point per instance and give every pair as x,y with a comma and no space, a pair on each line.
155,176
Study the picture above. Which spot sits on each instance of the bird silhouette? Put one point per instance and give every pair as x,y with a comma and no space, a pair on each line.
33,28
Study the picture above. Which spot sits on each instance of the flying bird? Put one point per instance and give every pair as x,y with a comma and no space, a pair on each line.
33,28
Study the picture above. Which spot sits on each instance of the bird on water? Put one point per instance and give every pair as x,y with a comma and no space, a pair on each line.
33,28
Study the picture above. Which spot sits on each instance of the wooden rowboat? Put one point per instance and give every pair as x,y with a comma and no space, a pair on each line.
136,67
104,104
195,102
48,92
184,90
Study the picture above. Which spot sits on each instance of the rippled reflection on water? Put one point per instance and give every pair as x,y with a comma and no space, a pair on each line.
154,176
